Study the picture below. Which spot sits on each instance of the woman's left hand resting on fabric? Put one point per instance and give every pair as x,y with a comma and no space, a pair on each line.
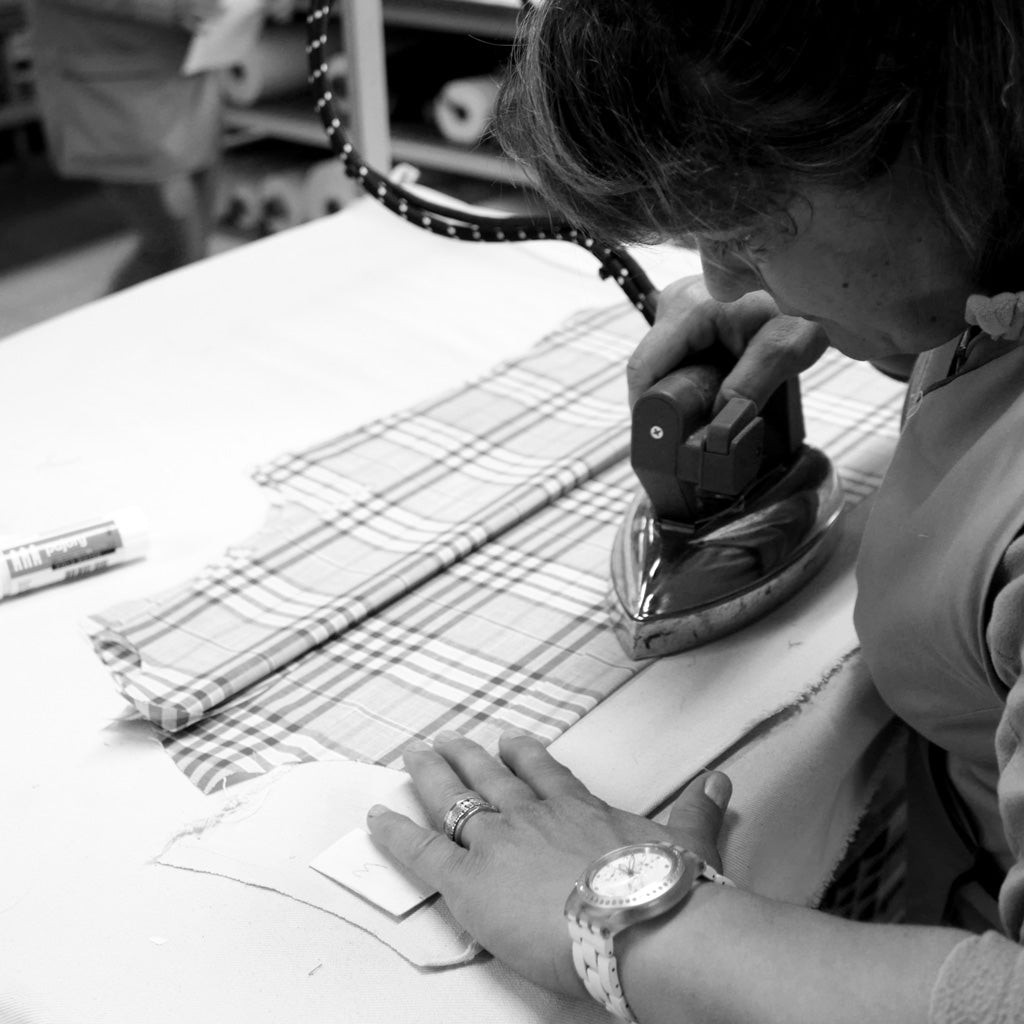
733,956
509,884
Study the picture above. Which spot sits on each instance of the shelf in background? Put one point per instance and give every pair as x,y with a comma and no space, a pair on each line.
422,147
293,120
493,18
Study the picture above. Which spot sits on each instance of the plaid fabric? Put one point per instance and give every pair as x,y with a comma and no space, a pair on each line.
371,515
515,634
513,631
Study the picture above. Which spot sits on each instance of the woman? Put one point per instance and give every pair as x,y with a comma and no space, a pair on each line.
853,175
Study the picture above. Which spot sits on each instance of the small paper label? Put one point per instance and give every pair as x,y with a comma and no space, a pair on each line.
358,864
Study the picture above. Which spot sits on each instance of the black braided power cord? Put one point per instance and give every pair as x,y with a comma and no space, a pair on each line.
449,221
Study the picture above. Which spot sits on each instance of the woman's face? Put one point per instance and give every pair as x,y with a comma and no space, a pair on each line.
875,267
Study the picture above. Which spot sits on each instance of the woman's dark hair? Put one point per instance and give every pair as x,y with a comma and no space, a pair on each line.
647,119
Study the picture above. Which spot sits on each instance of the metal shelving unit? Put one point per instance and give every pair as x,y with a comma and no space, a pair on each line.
365,23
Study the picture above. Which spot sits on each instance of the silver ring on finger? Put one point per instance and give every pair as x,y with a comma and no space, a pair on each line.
461,811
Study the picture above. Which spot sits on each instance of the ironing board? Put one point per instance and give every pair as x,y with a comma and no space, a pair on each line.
165,397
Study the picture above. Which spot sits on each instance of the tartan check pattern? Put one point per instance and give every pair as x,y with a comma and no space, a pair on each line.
498,619
514,634
370,515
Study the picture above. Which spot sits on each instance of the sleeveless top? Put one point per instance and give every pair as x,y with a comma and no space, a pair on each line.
951,503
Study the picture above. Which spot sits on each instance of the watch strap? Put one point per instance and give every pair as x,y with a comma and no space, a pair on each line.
709,874
593,955
595,963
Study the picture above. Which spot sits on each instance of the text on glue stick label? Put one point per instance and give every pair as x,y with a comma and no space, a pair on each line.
62,550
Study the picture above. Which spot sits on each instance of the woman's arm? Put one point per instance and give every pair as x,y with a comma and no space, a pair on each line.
724,956
732,956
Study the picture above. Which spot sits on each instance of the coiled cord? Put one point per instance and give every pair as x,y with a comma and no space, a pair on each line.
616,264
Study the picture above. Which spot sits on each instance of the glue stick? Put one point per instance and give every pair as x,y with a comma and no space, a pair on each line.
71,552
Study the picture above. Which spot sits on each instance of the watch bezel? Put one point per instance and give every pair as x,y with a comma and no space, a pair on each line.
616,913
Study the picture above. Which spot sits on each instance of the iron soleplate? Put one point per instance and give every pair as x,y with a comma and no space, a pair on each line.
674,587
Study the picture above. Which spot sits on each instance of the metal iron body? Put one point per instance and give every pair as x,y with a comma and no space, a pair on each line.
736,515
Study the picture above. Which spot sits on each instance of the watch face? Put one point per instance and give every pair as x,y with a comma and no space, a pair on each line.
635,875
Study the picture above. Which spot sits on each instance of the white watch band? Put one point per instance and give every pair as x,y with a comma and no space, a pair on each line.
597,967
594,957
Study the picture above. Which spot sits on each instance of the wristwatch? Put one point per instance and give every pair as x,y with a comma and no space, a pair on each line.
624,887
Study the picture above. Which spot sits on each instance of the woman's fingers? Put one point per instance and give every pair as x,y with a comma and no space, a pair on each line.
531,762
781,348
455,768
700,811
769,348
481,772
686,325
682,327
438,783
426,853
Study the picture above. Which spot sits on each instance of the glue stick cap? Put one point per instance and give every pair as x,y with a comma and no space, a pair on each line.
131,525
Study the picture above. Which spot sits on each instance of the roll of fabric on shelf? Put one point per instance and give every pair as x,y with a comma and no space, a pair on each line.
283,199
275,66
464,108
421,64
327,189
238,204
242,193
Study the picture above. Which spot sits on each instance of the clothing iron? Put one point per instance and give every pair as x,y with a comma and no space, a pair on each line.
735,515
737,512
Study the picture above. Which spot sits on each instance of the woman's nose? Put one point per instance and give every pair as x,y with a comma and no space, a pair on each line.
727,276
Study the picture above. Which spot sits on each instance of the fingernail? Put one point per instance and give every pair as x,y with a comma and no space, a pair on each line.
513,732
375,810
446,736
718,789
415,747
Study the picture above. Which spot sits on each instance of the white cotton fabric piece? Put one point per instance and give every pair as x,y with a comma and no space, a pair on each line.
267,835
826,753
